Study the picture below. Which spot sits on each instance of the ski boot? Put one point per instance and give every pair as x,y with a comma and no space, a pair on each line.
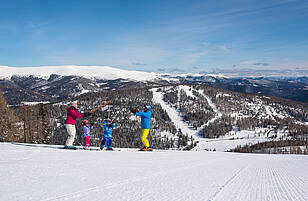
110,149
145,149
69,147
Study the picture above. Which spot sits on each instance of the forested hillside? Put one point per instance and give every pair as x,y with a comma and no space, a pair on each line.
215,112
10,126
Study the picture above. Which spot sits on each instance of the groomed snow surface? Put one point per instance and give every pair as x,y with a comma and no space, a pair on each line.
43,172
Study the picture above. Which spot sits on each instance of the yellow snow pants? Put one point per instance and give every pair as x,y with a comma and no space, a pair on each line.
144,135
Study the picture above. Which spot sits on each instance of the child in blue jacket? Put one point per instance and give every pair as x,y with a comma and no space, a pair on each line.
108,126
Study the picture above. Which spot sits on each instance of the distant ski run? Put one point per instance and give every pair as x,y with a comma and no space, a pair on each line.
177,119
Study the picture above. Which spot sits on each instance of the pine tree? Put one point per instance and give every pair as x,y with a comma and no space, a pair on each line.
9,128
44,125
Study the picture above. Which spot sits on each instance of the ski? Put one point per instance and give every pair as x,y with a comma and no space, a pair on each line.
80,148
152,150
110,150
91,149
146,150
102,105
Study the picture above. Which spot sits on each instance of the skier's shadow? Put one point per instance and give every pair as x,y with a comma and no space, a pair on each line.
36,146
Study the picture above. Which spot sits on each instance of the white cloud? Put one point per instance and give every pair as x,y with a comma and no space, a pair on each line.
223,48
249,62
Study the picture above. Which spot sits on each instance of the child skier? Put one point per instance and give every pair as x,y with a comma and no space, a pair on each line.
86,129
145,125
108,126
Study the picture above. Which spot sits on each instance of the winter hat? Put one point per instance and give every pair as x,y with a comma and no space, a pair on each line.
148,107
75,103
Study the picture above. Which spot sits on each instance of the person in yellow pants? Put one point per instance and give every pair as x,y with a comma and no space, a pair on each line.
144,139
145,125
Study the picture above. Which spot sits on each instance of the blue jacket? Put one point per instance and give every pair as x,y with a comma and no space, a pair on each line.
108,130
145,119
86,130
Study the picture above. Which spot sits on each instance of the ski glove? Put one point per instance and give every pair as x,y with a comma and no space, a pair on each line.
86,114
133,110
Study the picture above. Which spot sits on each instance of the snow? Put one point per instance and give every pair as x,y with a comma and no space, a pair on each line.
241,138
179,122
187,90
166,134
102,83
45,87
134,118
173,113
34,103
176,116
84,91
231,140
213,106
219,75
43,172
99,72
222,94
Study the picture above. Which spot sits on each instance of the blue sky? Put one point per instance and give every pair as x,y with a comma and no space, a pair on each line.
160,36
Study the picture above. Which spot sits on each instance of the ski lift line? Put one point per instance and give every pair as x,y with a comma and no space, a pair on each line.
102,105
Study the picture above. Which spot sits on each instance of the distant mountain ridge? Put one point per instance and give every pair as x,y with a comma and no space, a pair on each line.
54,83
270,73
89,72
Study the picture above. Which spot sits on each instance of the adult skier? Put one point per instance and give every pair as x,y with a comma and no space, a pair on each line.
108,127
145,125
72,115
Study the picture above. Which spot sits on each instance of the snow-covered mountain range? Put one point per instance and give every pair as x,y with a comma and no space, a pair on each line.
89,72
107,72
54,83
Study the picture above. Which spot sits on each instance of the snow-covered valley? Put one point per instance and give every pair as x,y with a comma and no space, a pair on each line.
43,172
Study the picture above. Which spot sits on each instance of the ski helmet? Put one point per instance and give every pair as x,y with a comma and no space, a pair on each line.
148,107
85,122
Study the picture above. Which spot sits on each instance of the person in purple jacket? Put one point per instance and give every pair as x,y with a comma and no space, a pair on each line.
86,130
72,115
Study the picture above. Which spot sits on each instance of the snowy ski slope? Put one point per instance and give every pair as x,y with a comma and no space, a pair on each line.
176,116
42,172
225,143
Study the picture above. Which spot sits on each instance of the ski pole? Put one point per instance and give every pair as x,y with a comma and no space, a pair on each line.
93,110
108,115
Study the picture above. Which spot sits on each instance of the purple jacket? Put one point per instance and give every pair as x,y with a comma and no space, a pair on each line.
86,130
72,115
